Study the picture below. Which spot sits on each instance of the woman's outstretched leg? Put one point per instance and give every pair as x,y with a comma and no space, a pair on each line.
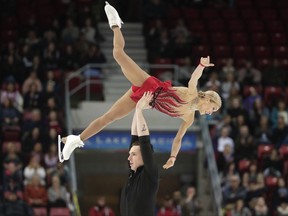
130,69
119,109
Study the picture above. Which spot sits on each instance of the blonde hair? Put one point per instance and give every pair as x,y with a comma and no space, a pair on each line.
212,95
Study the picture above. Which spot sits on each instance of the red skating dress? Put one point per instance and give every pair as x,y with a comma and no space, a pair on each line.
164,97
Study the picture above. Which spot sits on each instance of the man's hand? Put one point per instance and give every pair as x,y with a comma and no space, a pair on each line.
169,163
206,62
143,103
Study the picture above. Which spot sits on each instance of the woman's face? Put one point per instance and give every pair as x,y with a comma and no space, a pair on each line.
208,107
135,158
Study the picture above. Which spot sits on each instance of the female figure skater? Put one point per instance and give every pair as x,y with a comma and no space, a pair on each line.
181,102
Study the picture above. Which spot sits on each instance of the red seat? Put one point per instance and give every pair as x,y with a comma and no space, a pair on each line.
262,52
263,63
222,51
180,61
11,135
216,25
59,212
229,14
275,26
256,26
239,38
201,50
272,94
264,149
263,4
243,4
283,150
196,25
17,145
247,91
190,14
243,165
249,14
268,14
271,181
40,211
280,52
278,39
210,13
259,38
162,61
236,25
241,51
219,38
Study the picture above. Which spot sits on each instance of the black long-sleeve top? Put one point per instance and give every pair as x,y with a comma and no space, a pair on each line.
138,197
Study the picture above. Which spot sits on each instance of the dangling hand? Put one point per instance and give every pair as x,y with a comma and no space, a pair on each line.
206,62
169,163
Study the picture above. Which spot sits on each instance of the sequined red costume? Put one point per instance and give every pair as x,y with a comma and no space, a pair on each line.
164,97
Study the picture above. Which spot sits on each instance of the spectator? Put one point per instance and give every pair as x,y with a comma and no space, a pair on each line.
12,171
14,206
233,191
282,209
281,195
69,60
51,57
70,33
191,205
32,98
224,139
248,75
228,67
31,138
11,92
32,79
57,193
227,84
101,208
168,209
9,115
32,169
89,31
263,133
280,110
260,208
224,158
240,209
273,161
213,83
258,110
11,154
35,194
274,75
244,144
280,132
51,157
177,199
253,175
250,99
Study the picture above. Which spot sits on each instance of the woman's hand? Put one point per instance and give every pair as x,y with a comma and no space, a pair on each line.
206,62
169,163
143,103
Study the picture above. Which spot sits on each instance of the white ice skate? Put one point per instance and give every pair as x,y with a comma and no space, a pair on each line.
72,142
112,16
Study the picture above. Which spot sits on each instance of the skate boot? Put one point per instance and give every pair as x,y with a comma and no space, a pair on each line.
112,16
72,142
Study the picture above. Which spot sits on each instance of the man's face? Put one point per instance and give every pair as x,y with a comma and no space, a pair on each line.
135,158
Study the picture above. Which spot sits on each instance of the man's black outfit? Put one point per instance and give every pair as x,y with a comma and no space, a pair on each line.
138,197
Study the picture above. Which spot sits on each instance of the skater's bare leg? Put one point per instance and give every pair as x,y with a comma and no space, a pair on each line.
130,69
119,109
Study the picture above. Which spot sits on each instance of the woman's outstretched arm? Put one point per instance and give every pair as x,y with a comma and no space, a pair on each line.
176,145
204,62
